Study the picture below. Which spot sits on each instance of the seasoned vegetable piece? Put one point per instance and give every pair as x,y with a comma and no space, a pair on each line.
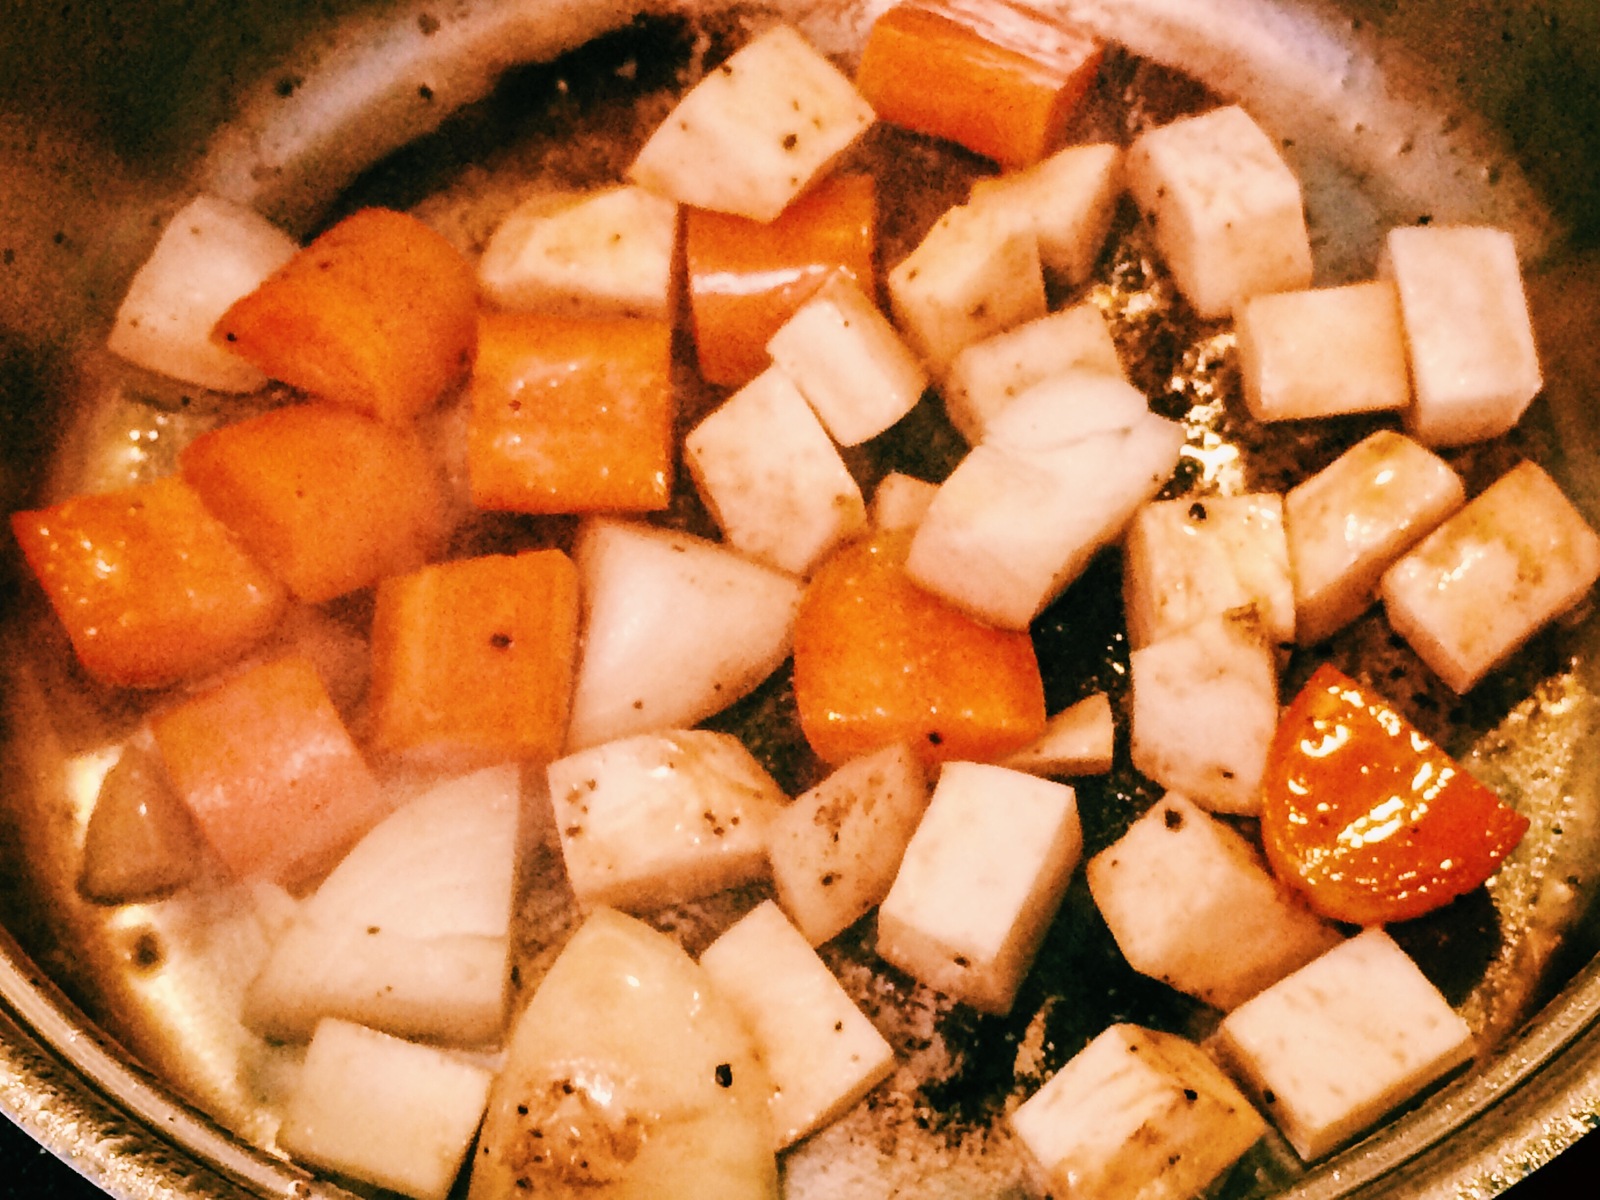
1368,818
746,277
141,842
900,501
1067,202
379,314
990,76
329,500
879,660
571,414
1079,740
151,587
472,661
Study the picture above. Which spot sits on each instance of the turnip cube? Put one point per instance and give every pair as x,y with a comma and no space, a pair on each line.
1185,560
1347,523
1323,352
821,1051
848,362
972,276
1079,740
980,882
598,253
1067,201
210,254
752,134
900,501
662,818
1226,209
1205,707
1343,1040
1489,578
772,478
384,1111
1136,1115
1474,364
1190,903
836,849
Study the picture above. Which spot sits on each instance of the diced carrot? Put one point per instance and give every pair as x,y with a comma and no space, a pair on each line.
329,500
1000,81
378,314
879,660
571,414
269,772
747,278
472,661
151,587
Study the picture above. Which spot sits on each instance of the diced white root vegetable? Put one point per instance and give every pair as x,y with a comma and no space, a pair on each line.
607,252
676,628
384,1111
974,275
1225,208
836,849
1474,364
1474,590
1351,520
628,1076
1190,903
662,818
987,376
751,135
1136,1115
1079,740
140,842
1343,1040
1205,707
1323,352
980,882
900,501
1064,408
772,478
409,933
848,362
1185,560
1067,202
822,1053
210,254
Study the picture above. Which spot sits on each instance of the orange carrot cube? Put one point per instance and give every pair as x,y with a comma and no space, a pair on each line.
378,314
472,661
987,75
571,414
329,500
747,278
878,660
269,772
151,587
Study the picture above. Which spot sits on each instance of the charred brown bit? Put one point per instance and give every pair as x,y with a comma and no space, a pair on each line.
566,1137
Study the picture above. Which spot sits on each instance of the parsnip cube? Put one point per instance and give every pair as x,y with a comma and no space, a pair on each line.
900,501
607,252
1225,208
751,135
1067,201
836,849
821,1051
987,376
772,478
1136,1115
662,818
1351,520
1323,352
1190,903
848,362
972,276
1205,707
1483,583
1343,1040
384,1111
1474,364
980,882
1185,560
1079,740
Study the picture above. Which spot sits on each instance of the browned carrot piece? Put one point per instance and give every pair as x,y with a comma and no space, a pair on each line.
378,314
571,414
151,587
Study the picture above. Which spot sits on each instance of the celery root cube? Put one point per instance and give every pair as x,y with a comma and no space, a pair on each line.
1079,740
1067,201
900,501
